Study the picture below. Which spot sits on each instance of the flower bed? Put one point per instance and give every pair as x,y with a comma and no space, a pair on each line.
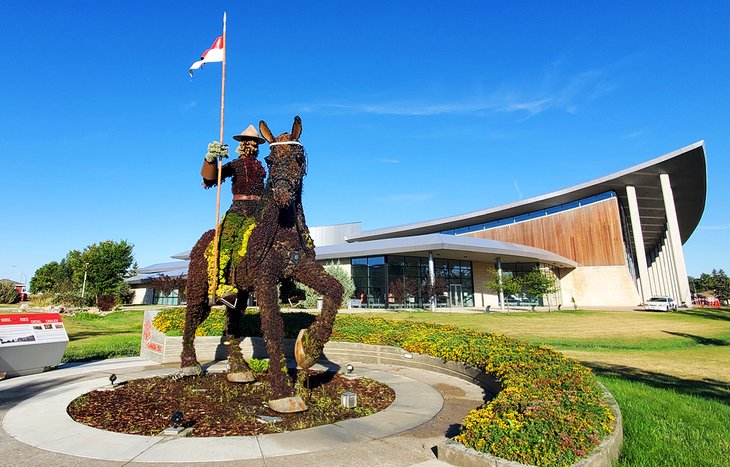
550,410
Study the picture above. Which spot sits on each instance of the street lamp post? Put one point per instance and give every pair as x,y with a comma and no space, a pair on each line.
83,287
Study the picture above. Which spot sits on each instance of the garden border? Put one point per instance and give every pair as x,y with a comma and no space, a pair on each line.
165,349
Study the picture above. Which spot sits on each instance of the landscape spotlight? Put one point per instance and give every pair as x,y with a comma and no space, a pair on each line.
349,400
112,378
350,368
176,419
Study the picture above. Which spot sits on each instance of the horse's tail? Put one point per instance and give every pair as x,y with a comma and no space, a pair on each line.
197,288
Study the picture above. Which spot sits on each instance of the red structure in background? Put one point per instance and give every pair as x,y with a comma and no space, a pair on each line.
21,292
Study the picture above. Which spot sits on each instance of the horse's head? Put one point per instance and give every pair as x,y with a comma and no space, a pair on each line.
287,163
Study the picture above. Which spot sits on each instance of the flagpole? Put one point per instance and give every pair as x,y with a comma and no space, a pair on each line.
220,169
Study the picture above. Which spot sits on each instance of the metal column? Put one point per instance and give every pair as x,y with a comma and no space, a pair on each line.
499,279
644,282
675,241
432,278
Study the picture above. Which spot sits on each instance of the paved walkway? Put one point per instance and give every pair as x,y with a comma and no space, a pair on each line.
37,430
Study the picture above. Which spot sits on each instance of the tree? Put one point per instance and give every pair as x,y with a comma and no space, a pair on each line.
440,285
701,284
721,285
53,277
338,273
403,288
539,283
166,284
8,292
717,282
508,283
105,265
107,261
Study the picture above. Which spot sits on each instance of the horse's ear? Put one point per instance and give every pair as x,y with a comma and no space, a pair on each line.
265,132
296,129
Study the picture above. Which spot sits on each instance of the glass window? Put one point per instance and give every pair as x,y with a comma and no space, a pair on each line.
376,260
359,270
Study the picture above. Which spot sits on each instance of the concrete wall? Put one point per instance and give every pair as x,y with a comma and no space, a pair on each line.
142,295
483,297
598,286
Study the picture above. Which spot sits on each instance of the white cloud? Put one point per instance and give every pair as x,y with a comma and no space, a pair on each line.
551,92
635,134
517,188
388,161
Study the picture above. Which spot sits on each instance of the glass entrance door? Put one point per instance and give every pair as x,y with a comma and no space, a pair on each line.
456,296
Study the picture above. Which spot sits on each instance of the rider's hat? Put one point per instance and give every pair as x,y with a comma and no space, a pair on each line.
250,134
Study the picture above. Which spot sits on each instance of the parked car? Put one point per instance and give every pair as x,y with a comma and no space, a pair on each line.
660,304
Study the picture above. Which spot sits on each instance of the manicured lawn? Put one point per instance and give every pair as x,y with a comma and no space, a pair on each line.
692,344
92,336
665,427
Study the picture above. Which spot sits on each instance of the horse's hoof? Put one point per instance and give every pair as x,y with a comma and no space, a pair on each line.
304,361
241,377
288,405
188,371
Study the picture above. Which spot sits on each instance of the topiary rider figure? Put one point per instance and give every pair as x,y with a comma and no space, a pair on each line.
247,184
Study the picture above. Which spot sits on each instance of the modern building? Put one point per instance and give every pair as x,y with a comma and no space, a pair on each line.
613,241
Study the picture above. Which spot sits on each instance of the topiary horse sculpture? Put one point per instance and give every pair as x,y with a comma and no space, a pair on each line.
279,247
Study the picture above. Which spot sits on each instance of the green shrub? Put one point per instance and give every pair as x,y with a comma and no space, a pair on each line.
258,365
40,300
71,299
124,294
8,293
86,316
171,321
105,302
338,273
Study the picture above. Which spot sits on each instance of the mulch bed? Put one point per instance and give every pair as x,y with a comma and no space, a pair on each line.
213,406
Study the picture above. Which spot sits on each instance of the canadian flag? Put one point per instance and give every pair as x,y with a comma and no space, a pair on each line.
213,54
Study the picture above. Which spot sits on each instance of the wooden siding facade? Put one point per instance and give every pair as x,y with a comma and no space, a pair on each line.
589,235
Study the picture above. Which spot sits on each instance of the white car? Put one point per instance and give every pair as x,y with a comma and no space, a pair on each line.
660,304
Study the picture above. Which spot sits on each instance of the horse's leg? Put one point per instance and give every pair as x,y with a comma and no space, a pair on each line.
238,370
310,341
272,325
197,298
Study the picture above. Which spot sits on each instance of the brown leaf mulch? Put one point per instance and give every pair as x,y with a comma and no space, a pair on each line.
212,406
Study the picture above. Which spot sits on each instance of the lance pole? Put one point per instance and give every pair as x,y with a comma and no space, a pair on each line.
220,170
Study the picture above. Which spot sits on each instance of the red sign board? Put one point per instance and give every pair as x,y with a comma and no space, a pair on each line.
31,328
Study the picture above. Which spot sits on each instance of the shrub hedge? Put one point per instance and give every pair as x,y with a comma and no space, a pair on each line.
550,410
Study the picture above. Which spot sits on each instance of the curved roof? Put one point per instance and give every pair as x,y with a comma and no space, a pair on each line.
445,247
688,175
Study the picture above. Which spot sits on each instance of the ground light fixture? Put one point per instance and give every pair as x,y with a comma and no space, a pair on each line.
349,400
350,368
112,378
176,420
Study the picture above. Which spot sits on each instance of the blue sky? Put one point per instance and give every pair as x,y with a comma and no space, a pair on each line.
411,110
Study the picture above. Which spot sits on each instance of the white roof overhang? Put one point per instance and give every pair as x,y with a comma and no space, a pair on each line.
687,171
445,247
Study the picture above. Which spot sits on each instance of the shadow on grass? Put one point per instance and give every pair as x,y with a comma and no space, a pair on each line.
699,339
90,334
707,388
722,314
